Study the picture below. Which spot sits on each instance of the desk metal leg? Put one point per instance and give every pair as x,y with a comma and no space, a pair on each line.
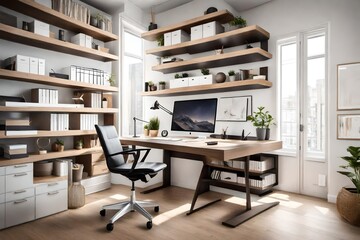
249,212
202,186
166,173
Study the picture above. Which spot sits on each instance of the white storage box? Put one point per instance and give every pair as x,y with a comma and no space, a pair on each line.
230,177
201,80
179,36
88,41
179,82
196,32
41,69
18,63
79,39
34,65
61,167
212,28
167,39
40,28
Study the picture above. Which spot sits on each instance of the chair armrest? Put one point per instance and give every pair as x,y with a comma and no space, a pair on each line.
135,153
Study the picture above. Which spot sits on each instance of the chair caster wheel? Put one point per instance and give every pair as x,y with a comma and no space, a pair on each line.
109,227
149,224
156,209
102,212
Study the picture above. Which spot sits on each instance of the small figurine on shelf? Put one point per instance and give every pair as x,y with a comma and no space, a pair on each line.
223,135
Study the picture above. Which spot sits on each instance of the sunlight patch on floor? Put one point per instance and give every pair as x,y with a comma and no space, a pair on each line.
119,197
161,218
322,210
240,201
282,198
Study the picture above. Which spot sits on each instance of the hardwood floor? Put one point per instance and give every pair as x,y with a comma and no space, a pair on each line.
297,217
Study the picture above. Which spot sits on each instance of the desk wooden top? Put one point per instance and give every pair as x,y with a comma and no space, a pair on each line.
225,149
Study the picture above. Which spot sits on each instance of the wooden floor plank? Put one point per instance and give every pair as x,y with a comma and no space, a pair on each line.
296,217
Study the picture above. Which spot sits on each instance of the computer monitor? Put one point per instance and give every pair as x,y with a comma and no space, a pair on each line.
194,115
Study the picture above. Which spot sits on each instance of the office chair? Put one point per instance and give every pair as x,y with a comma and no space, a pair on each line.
138,170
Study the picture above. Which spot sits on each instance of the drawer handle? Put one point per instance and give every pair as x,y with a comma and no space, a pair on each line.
19,191
20,201
20,174
20,166
52,184
53,193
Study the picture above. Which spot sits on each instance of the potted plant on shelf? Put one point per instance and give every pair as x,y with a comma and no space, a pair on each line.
154,125
348,199
260,120
162,85
205,71
231,75
146,130
79,144
58,145
152,86
237,22
160,40
177,76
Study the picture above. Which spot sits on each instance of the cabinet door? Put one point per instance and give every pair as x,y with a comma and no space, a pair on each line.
20,194
51,202
49,187
2,215
2,184
18,181
19,211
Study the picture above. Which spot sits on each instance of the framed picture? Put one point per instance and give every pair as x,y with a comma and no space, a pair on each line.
234,108
349,126
348,86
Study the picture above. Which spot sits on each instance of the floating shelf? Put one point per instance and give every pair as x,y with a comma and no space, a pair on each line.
58,109
50,155
233,38
50,134
226,59
212,88
222,16
20,36
41,79
48,15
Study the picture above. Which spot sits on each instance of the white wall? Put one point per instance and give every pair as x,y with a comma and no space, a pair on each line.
279,18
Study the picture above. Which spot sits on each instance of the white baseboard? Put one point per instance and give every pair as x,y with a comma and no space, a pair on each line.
331,198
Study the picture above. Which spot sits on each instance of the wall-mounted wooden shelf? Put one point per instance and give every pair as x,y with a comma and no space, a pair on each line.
50,155
51,134
40,79
222,16
45,14
212,88
233,38
58,109
20,36
226,59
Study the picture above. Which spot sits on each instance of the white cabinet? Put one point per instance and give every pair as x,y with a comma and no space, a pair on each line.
2,211
19,211
2,180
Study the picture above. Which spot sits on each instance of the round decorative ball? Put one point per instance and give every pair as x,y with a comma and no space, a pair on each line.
220,77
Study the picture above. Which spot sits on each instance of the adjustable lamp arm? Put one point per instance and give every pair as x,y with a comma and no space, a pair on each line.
134,118
157,105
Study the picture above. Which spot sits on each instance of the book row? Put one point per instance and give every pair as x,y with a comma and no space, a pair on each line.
44,95
87,75
267,180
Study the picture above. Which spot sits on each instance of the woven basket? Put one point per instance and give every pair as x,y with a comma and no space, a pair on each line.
348,205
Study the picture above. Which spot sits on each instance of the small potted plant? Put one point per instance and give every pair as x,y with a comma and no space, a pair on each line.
101,22
205,71
348,199
231,75
237,22
185,75
162,85
58,145
260,120
152,86
177,76
160,40
111,80
154,125
79,144
146,130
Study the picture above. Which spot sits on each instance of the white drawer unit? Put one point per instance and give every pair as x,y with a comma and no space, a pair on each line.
52,186
51,202
196,32
2,184
19,211
167,39
212,28
18,181
19,168
179,82
201,80
2,211
19,194
2,171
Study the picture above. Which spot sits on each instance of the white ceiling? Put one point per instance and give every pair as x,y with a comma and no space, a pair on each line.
164,5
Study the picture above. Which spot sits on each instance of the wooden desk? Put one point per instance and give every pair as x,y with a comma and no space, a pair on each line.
225,150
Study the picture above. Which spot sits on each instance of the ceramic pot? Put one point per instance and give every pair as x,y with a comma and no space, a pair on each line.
93,21
153,133
220,77
101,25
146,132
161,86
232,78
260,133
267,134
57,147
348,205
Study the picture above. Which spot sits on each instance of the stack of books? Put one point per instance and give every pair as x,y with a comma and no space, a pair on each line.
15,127
87,75
13,151
83,121
44,95
92,100
51,121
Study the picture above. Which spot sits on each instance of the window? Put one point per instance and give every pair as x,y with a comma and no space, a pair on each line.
302,67
132,78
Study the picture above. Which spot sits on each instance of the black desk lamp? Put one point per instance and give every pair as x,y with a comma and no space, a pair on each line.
157,105
134,118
